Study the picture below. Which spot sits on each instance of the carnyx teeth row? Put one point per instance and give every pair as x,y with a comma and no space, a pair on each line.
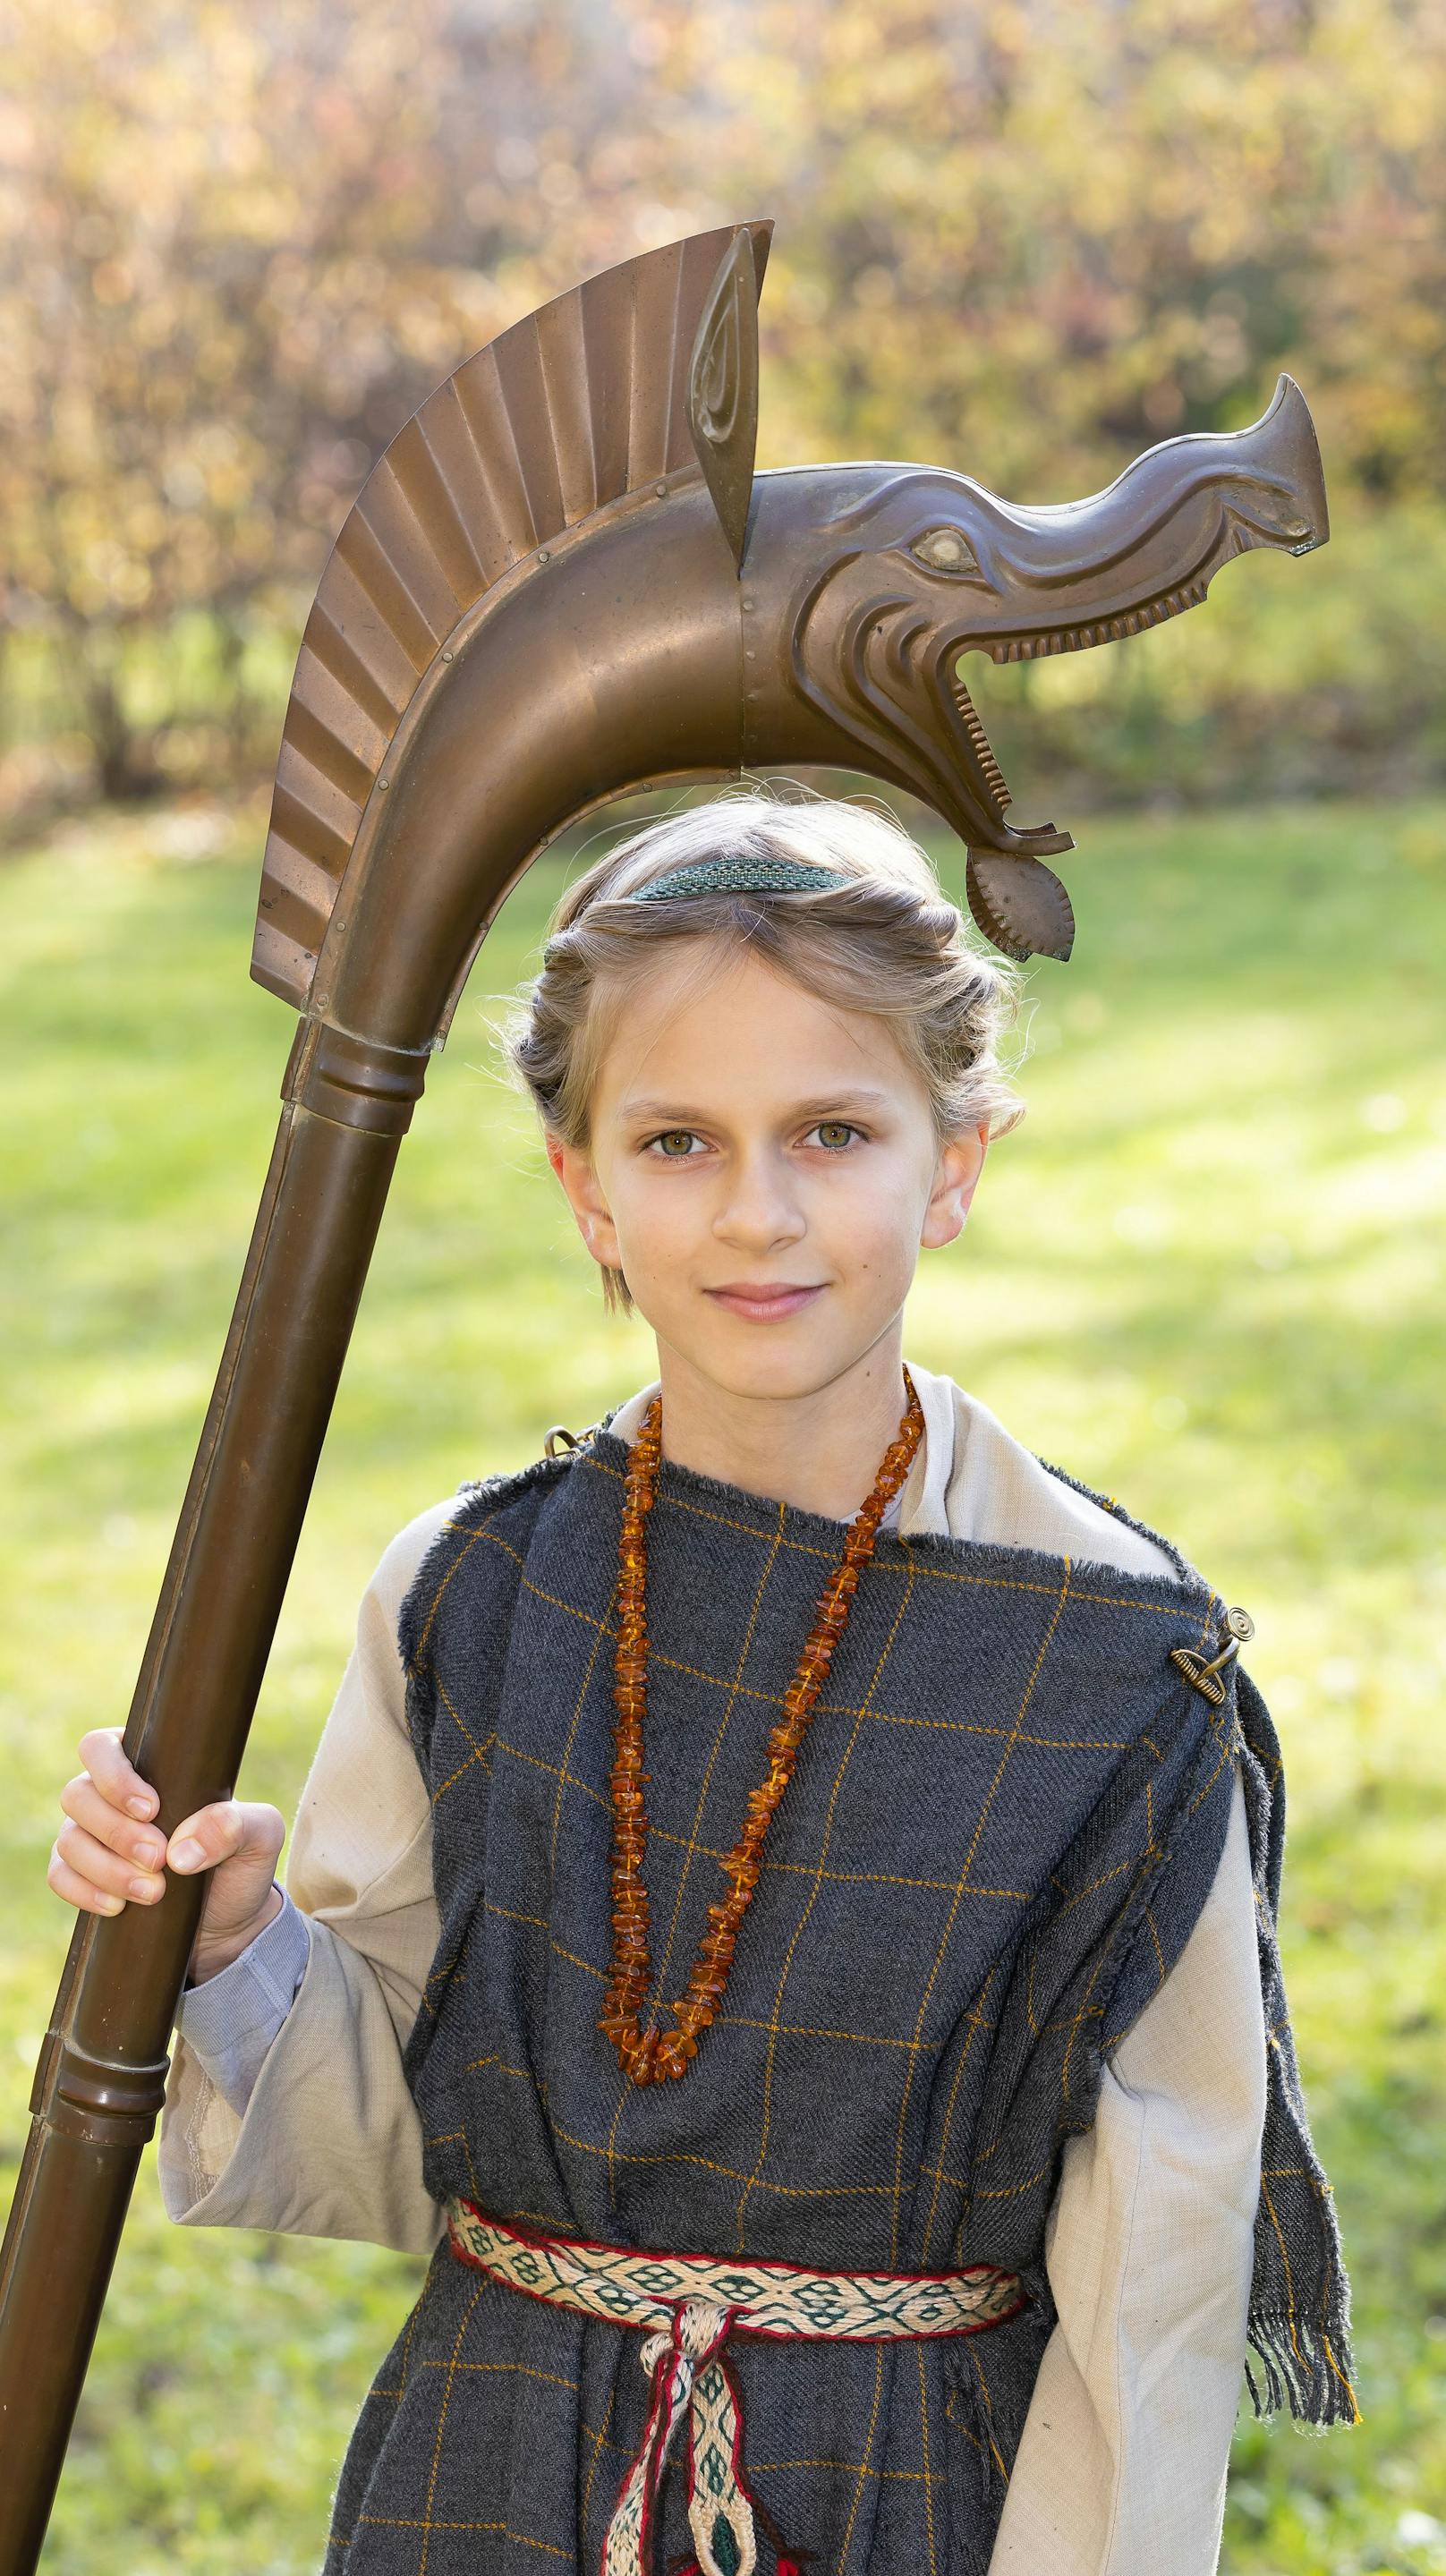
983,750
1070,639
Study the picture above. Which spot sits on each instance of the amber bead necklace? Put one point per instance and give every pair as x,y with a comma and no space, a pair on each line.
649,2055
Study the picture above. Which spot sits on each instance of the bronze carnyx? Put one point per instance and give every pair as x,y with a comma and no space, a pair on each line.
563,581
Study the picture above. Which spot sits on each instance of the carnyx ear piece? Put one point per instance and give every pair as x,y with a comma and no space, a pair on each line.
723,390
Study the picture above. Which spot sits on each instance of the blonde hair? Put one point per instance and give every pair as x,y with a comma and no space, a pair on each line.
888,942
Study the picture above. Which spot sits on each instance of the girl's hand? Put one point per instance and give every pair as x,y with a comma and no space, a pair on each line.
108,1854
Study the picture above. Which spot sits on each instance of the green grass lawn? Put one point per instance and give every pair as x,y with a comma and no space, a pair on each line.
1205,1274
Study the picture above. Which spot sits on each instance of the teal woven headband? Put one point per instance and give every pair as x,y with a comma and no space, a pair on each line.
728,876
736,876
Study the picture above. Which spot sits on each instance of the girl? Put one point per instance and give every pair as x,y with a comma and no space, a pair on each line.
782,1911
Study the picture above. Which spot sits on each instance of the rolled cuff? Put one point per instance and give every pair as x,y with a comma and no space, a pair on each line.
231,2019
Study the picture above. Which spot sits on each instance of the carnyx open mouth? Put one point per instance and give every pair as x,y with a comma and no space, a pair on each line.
981,765
1251,510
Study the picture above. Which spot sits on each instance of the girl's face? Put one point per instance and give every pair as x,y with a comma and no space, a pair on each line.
764,1169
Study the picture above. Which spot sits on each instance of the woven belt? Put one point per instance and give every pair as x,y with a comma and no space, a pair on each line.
692,2303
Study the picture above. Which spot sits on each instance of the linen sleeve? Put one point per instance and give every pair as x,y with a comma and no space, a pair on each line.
328,2142
1122,2463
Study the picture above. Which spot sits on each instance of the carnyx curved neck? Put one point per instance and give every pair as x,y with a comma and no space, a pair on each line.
589,677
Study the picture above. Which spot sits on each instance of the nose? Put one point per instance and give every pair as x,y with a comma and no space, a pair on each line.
759,1208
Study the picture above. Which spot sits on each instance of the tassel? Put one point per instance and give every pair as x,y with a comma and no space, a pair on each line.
1300,2370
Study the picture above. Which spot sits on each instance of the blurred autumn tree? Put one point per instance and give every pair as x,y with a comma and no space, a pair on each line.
1035,235
238,249
1023,237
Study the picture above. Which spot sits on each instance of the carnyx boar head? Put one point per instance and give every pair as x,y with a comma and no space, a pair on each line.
870,582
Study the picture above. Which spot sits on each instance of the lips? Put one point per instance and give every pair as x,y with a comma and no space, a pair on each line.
764,1301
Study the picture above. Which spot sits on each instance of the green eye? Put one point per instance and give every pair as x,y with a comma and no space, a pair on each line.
946,550
681,1136
835,1132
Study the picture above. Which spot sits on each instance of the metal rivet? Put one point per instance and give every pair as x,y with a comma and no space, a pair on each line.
543,555
384,782
750,655
662,490
448,655
322,1000
748,603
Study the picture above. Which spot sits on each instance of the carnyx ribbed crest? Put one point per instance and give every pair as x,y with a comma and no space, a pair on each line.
577,406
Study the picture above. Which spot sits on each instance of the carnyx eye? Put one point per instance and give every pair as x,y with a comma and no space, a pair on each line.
946,550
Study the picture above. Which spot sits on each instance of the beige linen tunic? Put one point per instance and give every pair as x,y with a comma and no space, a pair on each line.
1121,2467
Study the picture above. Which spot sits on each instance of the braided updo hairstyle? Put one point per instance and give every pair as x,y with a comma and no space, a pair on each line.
888,941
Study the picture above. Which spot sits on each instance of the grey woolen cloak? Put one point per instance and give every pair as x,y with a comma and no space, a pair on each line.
1002,1826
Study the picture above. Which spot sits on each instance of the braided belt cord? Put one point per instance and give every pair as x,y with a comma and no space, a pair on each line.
688,2305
